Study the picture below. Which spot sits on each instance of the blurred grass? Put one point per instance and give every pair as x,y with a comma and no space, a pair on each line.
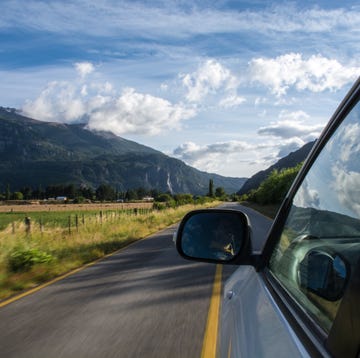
67,249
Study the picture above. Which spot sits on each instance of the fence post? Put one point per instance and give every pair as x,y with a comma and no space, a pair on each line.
69,224
41,225
28,225
101,217
77,222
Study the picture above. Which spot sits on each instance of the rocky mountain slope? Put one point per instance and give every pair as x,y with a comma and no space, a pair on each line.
35,153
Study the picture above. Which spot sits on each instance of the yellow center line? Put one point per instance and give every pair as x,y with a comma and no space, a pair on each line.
212,325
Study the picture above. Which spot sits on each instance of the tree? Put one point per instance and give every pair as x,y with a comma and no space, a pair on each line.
17,195
220,192
211,188
7,192
274,188
105,193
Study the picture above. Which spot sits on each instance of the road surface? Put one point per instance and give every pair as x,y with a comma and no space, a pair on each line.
144,301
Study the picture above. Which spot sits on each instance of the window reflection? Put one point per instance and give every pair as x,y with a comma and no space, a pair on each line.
324,223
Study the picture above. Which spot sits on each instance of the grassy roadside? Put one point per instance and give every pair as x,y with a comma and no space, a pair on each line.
27,260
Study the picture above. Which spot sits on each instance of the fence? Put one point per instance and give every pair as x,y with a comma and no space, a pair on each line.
71,221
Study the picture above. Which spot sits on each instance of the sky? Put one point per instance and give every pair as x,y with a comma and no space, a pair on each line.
229,87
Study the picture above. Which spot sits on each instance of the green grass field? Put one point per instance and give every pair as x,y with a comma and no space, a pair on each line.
52,247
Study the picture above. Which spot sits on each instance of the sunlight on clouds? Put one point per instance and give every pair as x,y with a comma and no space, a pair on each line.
315,74
292,124
223,157
210,78
84,68
102,108
307,197
138,113
347,186
59,102
231,101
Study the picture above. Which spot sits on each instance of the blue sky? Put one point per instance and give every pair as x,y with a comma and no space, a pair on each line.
227,86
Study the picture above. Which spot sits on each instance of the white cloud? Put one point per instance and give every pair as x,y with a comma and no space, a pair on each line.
232,101
103,109
316,74
58,102
288,146
350,146
347,187
307,197
138,113
228,157
290,125
210,78
211,157
84,68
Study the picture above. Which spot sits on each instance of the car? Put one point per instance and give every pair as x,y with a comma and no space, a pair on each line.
299,296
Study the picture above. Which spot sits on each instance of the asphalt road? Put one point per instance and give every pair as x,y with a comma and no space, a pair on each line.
144,301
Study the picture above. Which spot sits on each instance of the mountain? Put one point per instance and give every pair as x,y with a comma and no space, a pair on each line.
289,161
34,153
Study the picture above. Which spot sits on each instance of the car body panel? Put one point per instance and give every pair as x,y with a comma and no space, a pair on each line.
251,323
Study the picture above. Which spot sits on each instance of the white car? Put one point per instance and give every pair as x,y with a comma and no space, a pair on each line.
300,297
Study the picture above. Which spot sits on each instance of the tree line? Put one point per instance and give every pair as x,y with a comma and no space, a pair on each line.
274,188
104,192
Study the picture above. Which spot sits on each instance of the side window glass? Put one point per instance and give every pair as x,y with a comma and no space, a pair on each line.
320,242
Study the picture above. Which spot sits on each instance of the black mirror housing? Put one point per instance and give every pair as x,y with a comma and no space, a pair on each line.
215,235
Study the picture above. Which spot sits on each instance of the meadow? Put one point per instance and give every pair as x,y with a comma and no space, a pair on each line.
56,242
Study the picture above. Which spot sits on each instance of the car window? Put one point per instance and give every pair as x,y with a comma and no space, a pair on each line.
320,243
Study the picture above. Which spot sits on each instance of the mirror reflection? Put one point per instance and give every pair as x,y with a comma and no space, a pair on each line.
323,274
213,235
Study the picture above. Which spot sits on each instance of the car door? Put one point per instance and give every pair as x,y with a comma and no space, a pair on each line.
303,298
300,297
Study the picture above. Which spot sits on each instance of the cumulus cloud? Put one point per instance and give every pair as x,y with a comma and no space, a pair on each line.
350,146
103,108
290,125
288,129
316,74
58,102
347,187
228,157
138,113
211,157
211,78
288,146
307,197
84,68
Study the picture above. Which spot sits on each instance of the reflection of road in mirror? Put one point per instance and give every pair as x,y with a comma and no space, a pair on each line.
213,235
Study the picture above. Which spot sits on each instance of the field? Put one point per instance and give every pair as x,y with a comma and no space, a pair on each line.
60,214
58,241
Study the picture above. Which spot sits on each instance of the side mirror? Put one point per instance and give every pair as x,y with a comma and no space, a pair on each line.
214,235
323,274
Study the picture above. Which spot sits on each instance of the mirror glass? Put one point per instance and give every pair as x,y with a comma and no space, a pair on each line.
323,275
213,235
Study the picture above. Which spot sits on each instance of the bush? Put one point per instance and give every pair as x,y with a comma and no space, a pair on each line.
274,188
21,259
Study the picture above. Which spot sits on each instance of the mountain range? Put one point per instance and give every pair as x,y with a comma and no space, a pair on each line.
36,153
291,160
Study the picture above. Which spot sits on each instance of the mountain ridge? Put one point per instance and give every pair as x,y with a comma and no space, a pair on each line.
34,153
291,160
